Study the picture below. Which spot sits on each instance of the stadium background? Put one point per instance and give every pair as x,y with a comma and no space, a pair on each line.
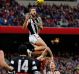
63,40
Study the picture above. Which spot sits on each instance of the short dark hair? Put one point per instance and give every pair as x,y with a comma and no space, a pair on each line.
22,50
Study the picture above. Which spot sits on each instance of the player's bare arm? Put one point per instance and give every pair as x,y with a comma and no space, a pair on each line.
40,25
25,24
3,64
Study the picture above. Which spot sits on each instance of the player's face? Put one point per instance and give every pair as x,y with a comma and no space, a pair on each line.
52,65
33,12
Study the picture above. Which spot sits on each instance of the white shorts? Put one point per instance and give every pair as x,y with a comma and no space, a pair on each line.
33,38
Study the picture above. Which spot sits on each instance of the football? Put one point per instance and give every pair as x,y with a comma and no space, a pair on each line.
40,1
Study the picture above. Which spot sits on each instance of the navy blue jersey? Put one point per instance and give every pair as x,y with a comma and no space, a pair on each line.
38,64
23,64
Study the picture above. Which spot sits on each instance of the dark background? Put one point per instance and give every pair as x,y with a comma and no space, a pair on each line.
67,43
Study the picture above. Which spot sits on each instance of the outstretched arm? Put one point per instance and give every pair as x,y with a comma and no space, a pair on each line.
3,64
25,24
40,23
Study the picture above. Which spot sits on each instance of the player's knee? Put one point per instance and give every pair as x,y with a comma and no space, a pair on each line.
47,47
44,47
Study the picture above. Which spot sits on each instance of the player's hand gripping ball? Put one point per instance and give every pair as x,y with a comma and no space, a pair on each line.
40,1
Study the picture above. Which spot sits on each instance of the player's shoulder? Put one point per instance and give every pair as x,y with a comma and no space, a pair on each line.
29,58
25,58
15,58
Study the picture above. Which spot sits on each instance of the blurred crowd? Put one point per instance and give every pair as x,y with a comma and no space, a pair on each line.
59,15
12,13
67,65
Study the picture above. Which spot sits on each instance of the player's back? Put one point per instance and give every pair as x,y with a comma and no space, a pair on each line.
22,64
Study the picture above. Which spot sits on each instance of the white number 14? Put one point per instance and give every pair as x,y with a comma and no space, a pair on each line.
23,66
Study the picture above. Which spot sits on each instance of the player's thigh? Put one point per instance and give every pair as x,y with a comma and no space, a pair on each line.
1,57
36,40
40,42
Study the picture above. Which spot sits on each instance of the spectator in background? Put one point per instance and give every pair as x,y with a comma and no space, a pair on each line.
1,20
69,69
10,12
76,71
63,23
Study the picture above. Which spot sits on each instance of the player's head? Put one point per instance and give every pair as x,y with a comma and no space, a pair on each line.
52,66
33,11
22,50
